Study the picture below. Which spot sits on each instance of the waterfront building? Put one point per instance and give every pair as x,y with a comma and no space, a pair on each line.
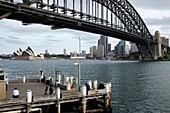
104,41
27,54
94,51
100,51
83,54
126,50
91,52
73,54
46,52
109,48
133,48
165,41
64,52
122,49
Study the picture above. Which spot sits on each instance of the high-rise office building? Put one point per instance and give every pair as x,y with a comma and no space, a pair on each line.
83,53
133,48
104,41
73,54
64,52
46,52
165,41
91,52
121,49
109,48
100,51
126,50
94,51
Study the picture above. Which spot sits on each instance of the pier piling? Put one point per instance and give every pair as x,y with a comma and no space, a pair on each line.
83,102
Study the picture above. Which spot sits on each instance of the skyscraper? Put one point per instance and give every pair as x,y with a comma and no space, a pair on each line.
133,48
120,49
100,51
64,51
109,48
91,52
46,52
104,41
94,51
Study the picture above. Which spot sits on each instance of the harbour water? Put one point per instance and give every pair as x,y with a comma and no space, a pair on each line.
137,87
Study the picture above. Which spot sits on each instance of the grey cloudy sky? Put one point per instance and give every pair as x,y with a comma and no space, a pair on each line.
14,35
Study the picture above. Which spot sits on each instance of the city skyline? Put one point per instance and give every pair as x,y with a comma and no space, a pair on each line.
40,37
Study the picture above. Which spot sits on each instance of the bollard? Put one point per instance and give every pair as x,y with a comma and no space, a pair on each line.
23,79
68,86
59,79
67,79
110,86
107,89
58,93
71,81
83,90
95,84
29,96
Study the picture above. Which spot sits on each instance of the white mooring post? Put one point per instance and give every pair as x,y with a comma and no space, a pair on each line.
23,79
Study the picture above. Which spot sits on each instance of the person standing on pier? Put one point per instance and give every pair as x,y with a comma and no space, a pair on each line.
7,82
101,86
46,90
15,93
87,88
51,90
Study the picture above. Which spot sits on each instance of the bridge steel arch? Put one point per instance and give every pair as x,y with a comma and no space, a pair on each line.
132,21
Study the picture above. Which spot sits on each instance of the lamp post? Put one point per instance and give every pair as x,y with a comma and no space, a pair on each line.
78,82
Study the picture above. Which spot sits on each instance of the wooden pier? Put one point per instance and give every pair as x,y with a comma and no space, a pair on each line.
70,101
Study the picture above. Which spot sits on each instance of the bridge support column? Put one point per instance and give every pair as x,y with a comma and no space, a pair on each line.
157,48
145,51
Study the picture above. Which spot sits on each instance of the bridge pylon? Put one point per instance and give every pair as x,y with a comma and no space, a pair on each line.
145,51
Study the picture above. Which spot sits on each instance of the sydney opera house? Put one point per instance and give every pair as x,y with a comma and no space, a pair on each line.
28,54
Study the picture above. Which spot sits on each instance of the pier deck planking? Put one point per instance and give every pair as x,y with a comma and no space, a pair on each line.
40,100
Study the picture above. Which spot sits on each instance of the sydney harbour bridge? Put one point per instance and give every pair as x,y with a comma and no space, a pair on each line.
114,18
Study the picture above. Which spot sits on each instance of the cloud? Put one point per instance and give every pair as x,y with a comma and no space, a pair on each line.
151,4
53,40
165,31
164,21
1,38
17,27
13,37
13,40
